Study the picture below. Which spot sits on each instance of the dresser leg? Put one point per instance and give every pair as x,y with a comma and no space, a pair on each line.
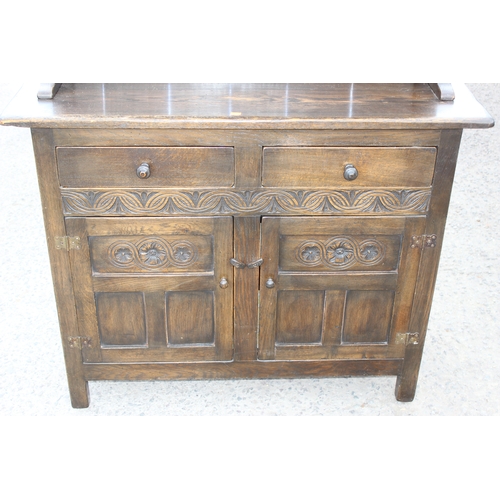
406,383
78,385
79,393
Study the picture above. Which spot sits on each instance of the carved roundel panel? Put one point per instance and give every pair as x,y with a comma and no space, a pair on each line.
152,253
340,252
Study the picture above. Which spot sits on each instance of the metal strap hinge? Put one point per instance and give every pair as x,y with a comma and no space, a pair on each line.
408,338
79,342
67,243
423,241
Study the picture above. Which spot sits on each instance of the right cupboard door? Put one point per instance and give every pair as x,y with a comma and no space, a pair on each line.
336,287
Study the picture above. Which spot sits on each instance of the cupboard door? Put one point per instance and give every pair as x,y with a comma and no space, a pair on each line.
149,289
336,287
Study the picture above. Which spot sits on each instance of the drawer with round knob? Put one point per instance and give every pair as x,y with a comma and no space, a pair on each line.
353,167
137,167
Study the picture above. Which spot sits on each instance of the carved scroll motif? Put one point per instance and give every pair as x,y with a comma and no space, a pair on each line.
152,254
341,252
228,202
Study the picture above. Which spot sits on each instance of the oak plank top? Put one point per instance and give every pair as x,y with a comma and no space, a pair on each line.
246,106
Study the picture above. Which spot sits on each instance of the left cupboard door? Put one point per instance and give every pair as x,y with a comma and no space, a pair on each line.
153,289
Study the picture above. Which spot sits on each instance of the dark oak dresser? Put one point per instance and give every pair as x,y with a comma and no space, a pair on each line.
244,230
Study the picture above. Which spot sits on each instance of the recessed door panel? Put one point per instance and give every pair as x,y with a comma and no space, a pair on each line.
367,317
190,318
121,319
299,316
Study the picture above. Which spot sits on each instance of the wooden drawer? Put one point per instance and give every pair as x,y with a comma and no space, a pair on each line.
324,166
85,167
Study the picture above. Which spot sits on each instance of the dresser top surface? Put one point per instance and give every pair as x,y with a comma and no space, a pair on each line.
246,106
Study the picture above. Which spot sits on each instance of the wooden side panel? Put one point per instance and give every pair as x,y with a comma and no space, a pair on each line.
44,149
190,318
121,318
429,259
377,167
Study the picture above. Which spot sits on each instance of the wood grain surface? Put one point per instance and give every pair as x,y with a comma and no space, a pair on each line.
244,252
254,106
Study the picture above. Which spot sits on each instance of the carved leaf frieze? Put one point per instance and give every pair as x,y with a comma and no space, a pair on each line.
227,202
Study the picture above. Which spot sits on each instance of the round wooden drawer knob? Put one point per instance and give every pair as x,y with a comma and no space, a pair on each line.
143,171
350,172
